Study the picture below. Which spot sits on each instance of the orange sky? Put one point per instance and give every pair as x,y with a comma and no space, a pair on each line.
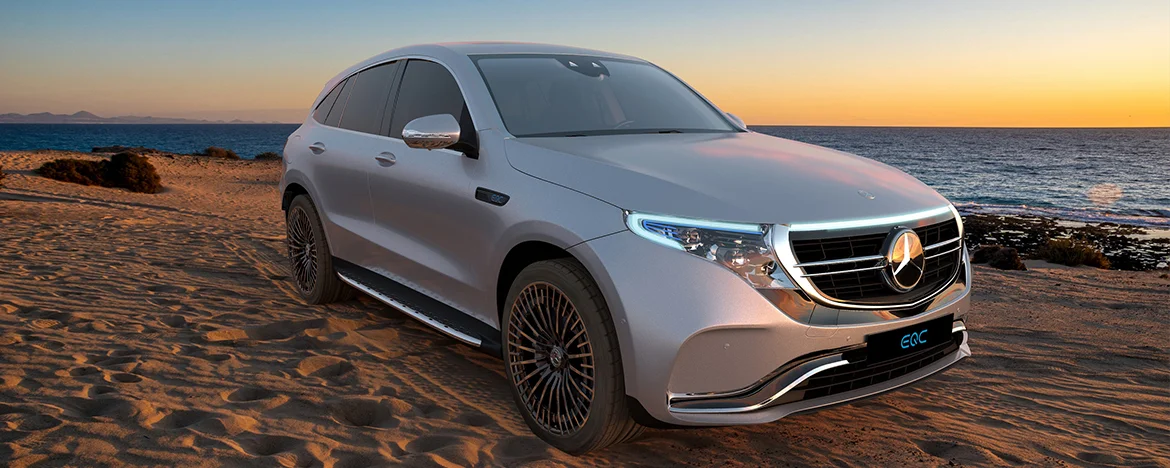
921,63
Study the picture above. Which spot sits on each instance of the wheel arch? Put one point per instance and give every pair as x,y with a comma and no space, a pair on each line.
520,256
290,192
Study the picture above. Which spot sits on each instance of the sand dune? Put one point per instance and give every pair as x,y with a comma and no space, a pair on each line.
161,330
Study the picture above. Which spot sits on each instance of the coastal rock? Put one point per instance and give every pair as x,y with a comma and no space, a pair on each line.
1126,247
983,254
124,149
217,152
998,256
1006,258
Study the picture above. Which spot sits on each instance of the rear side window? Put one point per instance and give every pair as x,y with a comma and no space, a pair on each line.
428,89
334,117
326,104
367,99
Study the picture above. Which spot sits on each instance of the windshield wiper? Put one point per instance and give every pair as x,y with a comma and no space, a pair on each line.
670,131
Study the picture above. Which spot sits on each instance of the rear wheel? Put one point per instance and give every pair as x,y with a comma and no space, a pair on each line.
561,357
308,254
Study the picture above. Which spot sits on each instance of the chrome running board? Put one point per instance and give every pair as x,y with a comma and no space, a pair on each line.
435,314
453,333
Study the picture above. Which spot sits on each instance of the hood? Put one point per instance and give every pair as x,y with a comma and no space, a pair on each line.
745,177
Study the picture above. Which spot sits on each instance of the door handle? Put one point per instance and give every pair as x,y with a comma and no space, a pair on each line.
317,148
386,159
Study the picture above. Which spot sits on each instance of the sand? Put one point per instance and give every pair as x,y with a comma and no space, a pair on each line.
162,330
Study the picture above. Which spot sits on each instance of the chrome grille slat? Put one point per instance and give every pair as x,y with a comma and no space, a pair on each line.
928,257
844,260
846,270
812,275
940,244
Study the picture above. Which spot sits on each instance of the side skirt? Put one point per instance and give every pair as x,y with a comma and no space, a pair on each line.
421,307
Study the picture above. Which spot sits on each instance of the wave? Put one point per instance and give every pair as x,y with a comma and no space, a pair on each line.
1154,218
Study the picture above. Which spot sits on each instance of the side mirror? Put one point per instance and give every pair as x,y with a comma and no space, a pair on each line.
431,132
736,120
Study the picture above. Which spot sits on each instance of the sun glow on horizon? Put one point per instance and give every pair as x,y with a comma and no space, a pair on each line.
1034,64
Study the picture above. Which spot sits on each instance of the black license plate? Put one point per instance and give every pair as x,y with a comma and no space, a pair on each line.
907,340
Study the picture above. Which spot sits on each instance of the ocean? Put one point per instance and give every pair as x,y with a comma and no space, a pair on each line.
1118,175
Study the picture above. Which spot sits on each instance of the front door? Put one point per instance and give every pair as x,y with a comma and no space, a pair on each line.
423,199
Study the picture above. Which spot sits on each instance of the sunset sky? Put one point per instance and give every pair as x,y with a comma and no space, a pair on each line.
920,63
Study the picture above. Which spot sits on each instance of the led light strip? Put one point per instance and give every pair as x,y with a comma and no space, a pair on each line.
634,222
859,223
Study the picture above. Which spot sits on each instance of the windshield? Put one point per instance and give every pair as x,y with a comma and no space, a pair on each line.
563,95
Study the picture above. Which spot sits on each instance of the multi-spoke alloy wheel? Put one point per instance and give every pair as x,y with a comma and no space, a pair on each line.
309,256
551,358
561,356
302,249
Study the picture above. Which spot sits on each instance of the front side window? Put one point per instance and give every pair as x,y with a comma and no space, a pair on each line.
428,89
367,100
561,95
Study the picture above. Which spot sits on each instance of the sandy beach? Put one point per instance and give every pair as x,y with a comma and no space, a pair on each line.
161,330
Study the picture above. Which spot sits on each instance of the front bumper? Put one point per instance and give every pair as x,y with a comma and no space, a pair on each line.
690,330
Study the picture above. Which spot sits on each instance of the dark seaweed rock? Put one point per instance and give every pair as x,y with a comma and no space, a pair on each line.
1122,245
123,170
983,254
267,156
1006,258
124,149
75,171
2,176
1073,253
132,172
217,152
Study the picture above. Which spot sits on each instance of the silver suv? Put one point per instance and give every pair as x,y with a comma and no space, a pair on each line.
634,255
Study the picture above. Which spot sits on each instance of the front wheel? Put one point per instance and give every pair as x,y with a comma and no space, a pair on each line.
561,357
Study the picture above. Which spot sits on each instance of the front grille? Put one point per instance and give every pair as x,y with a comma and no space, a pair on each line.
867,286
863,374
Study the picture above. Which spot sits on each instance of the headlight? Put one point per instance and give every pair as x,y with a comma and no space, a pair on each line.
739,247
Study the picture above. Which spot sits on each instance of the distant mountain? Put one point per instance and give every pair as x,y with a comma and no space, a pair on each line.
84,117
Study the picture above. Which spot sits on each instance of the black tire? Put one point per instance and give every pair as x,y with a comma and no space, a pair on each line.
310,263
576,321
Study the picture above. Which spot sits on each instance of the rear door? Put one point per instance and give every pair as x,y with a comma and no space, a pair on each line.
342,151
424,200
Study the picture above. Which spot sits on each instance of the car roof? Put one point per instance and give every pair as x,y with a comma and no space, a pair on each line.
493,48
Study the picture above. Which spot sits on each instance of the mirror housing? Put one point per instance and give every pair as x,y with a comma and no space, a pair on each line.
431,132
736,120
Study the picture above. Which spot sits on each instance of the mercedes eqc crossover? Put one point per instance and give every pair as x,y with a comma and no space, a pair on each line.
634,255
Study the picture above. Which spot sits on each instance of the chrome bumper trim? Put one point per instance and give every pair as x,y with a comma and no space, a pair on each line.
791,379
779,393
